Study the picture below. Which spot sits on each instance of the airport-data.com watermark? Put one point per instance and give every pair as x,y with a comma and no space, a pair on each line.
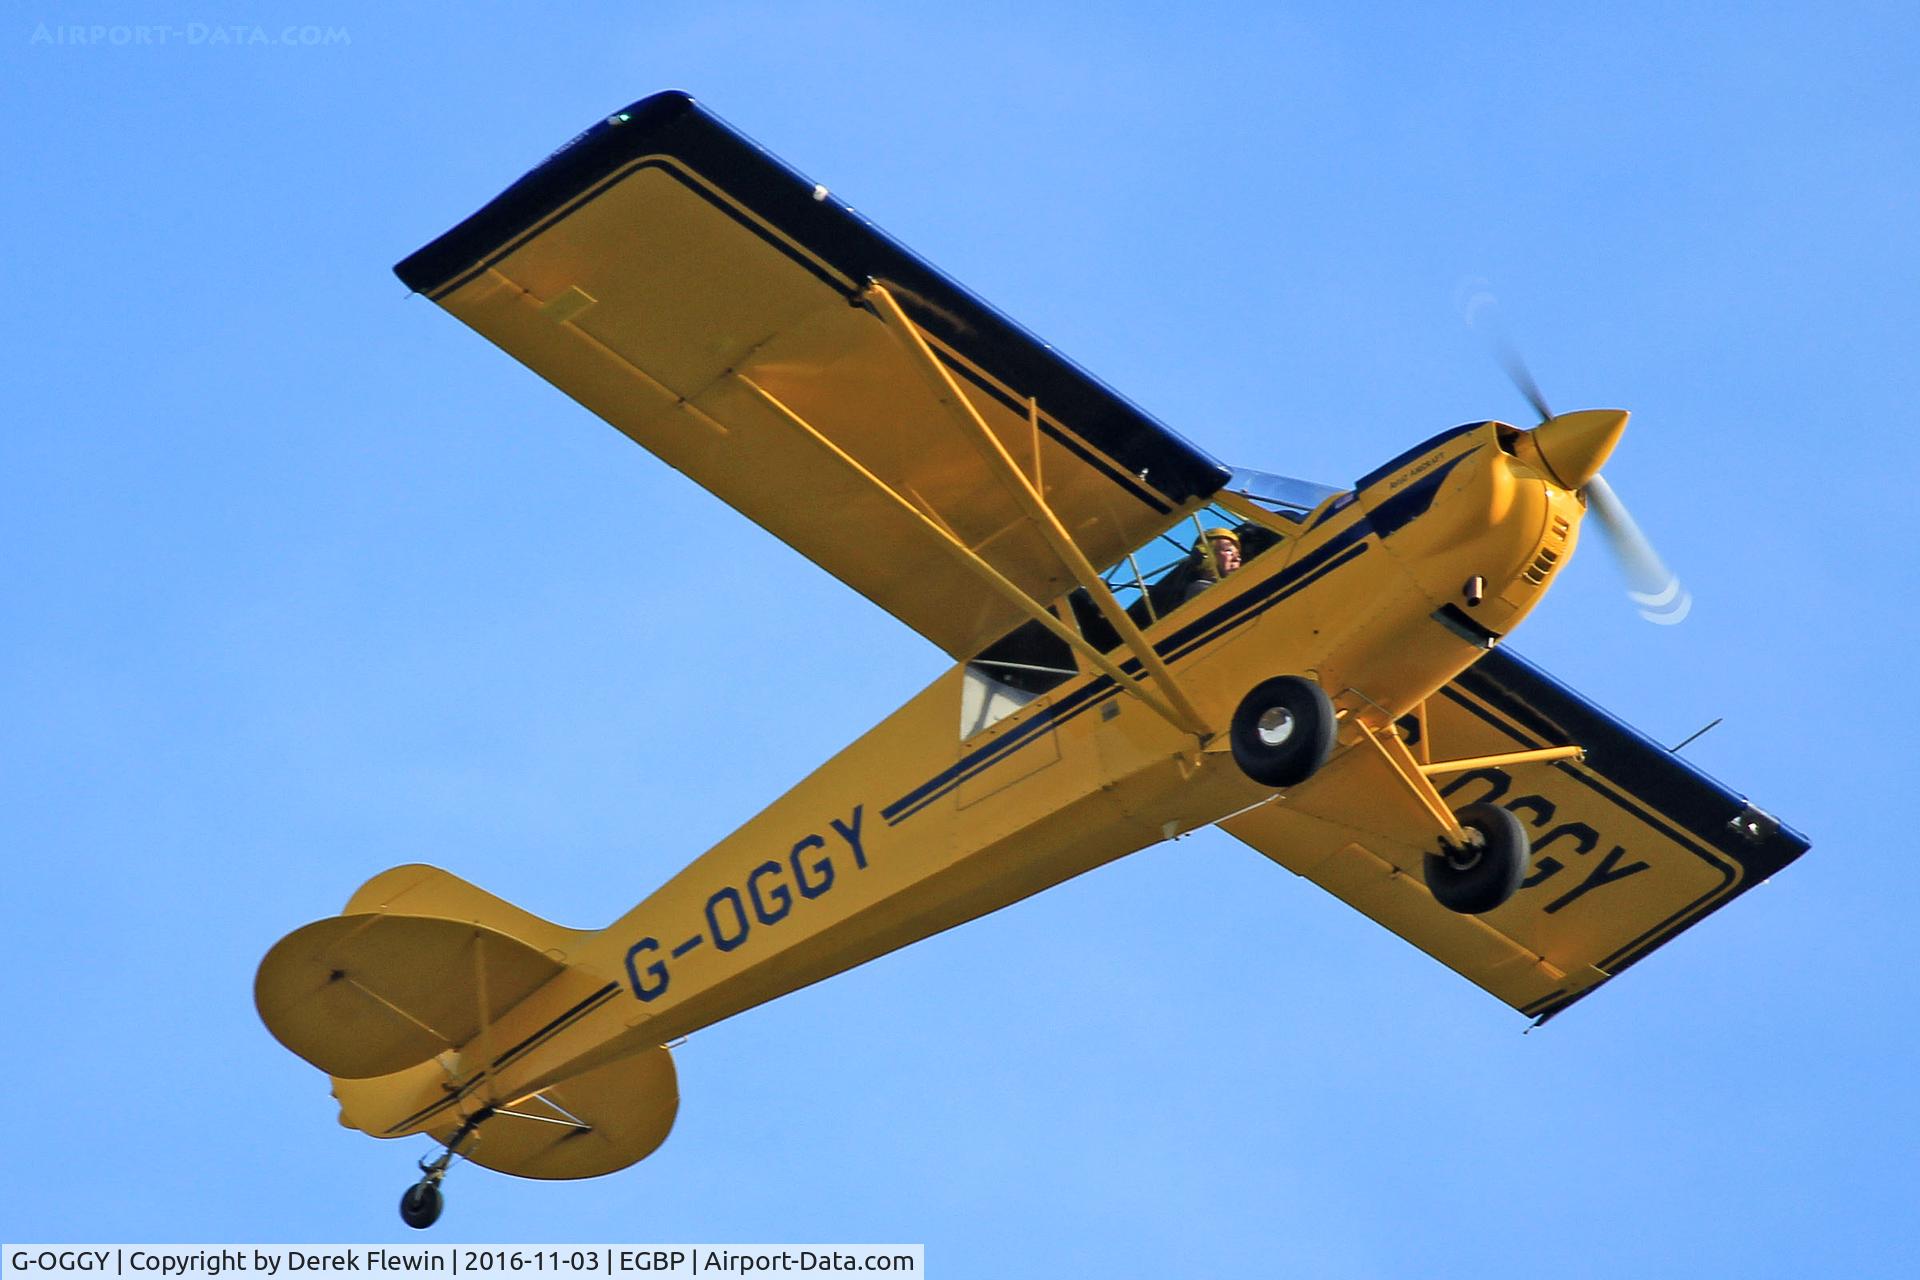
187,35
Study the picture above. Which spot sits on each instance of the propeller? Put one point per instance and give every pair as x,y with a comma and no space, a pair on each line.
1653,588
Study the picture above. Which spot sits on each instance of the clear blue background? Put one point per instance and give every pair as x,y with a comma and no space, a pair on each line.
302,579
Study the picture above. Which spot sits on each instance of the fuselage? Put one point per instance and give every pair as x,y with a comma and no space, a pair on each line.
1382,595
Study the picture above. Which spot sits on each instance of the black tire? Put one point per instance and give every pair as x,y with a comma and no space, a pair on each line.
1282,731
1477,879
420,1206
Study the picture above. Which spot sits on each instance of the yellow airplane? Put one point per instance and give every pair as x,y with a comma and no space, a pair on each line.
1146,643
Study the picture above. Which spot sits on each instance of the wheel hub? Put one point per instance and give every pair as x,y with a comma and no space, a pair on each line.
1275,726
1466,857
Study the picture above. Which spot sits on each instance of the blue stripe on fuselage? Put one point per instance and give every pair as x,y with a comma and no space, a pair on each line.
1426,446
1395,513
1202,631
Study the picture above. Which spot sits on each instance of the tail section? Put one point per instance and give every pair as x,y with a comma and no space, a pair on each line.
402,1000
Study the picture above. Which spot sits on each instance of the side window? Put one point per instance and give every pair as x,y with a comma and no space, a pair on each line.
1010,673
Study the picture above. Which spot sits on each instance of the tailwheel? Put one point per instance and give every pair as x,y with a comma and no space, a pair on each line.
1283,731
420,1206
1479,875
422,1202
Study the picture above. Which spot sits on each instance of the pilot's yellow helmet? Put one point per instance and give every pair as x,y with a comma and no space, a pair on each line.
1208,556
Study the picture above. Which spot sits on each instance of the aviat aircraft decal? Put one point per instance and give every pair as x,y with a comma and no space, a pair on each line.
1144,642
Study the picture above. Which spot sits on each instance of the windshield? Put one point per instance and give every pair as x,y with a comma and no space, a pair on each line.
1282,495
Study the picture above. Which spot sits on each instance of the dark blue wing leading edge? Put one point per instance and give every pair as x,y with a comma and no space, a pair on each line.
673,124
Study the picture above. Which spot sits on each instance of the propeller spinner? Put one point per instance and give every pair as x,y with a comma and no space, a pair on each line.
1572,447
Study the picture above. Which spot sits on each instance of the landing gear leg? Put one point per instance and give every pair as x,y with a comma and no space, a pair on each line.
421,1204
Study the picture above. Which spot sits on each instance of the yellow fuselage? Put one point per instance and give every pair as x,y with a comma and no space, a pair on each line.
910,830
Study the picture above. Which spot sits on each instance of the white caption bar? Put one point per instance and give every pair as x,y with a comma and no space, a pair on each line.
481,1262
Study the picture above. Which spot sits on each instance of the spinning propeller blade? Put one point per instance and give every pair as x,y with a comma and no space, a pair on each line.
1654,589
1522,379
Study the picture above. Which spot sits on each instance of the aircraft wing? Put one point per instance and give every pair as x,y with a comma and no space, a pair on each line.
713,304
1632,845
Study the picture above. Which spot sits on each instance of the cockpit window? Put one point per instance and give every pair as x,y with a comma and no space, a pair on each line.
1168,571
1150,583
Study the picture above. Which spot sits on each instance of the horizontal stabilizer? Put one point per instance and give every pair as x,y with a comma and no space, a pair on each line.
417,889
595,1123
366,994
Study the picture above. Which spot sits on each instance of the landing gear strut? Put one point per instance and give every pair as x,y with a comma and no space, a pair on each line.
421,1204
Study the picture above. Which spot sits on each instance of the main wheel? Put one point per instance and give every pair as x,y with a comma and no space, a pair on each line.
420,1206
1488,870
1282,731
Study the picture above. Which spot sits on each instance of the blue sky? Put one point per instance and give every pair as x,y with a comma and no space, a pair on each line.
303,580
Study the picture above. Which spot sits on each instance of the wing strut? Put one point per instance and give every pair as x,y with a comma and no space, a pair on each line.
1413,775
1417,770
992,576
1185,715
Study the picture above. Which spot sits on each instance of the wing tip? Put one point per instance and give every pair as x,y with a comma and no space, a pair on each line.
602,146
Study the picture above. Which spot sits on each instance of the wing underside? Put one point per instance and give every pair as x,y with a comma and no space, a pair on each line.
1632,845
726,314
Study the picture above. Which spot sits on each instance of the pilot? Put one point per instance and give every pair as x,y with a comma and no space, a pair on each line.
1215,555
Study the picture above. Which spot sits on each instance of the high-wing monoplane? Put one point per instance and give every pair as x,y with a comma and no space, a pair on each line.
1144,642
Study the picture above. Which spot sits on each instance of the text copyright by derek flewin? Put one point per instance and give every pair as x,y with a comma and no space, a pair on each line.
204,1262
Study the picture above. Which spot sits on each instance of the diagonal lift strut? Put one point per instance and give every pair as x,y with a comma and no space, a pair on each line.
1178,708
